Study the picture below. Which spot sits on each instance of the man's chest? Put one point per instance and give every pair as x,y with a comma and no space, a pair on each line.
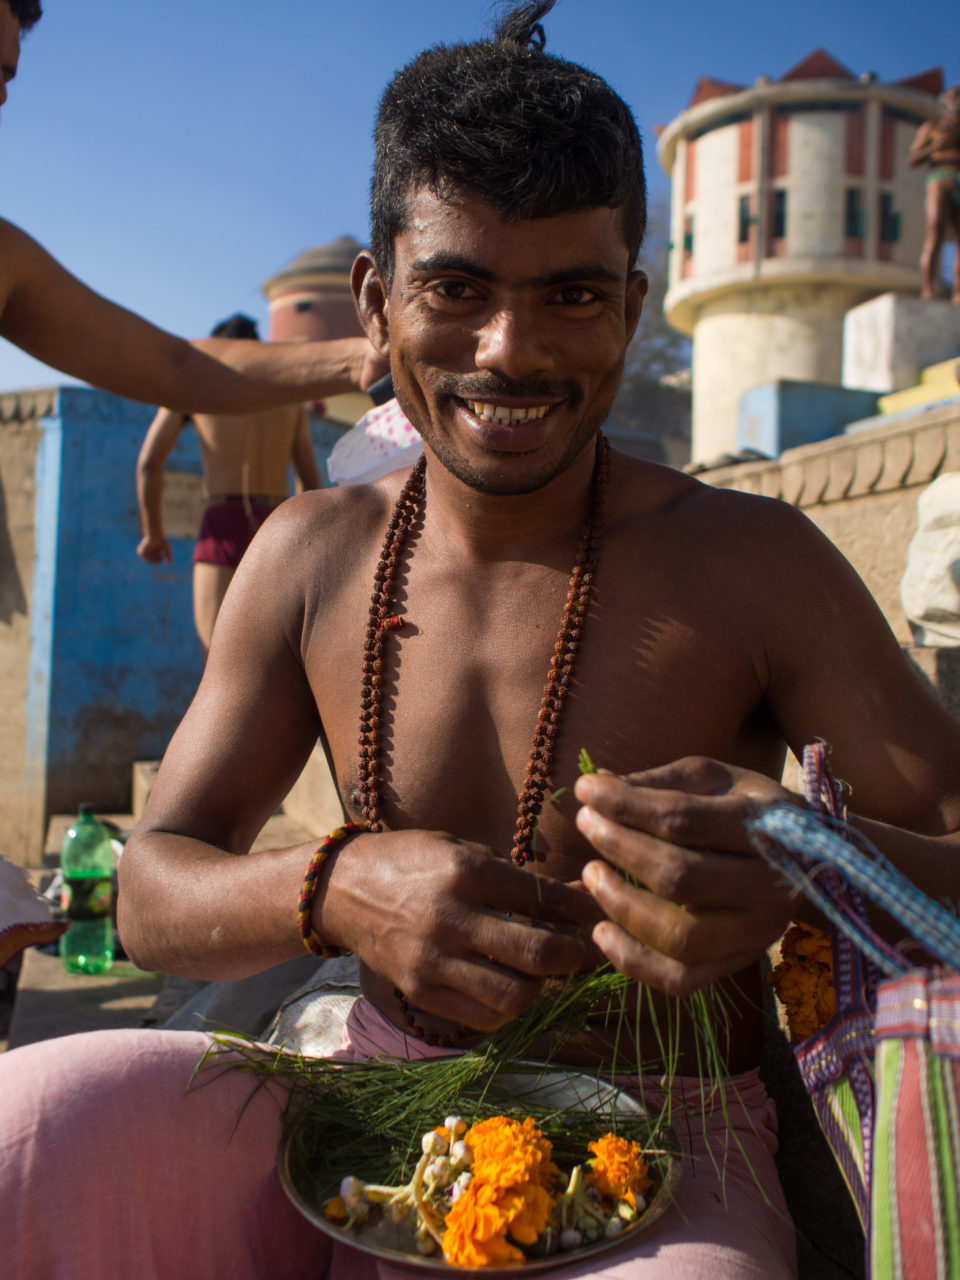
469,680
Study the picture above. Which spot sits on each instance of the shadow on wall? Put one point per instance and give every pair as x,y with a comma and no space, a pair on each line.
12,598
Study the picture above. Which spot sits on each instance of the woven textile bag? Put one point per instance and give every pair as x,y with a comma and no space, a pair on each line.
884,1073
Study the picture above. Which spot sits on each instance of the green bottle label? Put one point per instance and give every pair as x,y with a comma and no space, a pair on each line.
86,897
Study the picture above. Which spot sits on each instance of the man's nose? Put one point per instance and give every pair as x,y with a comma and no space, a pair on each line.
510,342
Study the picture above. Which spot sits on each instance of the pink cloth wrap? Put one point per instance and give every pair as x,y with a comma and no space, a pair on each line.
114,1166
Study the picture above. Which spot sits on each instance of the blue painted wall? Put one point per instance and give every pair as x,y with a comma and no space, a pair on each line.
114,658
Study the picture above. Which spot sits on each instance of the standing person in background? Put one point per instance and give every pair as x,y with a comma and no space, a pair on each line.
50,314
937,145
245,459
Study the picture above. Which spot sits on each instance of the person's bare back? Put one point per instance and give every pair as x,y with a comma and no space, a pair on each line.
245,459
248,454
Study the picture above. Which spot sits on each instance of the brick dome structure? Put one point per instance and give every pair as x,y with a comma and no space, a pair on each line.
310,298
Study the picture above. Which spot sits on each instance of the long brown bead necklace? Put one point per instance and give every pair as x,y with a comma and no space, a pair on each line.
406,514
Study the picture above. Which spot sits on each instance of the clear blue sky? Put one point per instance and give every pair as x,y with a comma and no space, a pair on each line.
176,153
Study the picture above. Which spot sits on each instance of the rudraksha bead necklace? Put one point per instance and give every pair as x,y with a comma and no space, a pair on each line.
408,512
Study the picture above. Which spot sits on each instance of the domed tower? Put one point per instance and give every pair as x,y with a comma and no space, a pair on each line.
791,202
311,297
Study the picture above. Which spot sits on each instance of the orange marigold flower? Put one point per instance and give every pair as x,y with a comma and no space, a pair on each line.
803,980
618,1169
336,1210
475,1233
507,1152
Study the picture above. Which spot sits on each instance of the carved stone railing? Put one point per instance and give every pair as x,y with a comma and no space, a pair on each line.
903,452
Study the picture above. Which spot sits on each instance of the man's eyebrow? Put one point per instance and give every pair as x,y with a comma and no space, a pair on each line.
452,262
566,275
576,274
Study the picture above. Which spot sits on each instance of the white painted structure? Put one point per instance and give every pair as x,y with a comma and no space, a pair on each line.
791,203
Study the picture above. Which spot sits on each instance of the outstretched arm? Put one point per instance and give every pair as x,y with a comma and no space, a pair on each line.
157,443
51,315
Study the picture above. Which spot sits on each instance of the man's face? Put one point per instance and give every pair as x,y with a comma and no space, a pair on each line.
9,48
507,339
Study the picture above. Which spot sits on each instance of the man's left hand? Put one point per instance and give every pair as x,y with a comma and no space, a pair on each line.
704,905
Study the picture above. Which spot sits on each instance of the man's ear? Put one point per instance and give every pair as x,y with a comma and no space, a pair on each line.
370,297
636,292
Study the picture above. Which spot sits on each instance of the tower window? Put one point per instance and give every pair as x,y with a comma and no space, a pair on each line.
744,220
889,220
778,214
303,306
853,219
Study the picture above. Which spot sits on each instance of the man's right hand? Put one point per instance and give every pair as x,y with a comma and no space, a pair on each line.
155,550
461,931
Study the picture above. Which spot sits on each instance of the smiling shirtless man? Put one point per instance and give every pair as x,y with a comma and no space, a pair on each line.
709,629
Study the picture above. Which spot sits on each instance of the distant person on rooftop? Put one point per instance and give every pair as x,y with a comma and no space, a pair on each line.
245,459
937,145
52,316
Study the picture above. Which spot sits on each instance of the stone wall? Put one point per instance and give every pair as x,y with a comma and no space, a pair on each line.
21,804
861,489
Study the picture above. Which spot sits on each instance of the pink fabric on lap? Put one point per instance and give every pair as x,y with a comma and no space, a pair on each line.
111,1168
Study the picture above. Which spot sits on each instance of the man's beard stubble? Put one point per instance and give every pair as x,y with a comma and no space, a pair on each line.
489,389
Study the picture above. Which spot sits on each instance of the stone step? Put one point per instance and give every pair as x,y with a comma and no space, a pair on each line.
937,382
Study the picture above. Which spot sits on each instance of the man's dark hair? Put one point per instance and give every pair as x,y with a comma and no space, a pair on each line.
27,12
532,134
236,326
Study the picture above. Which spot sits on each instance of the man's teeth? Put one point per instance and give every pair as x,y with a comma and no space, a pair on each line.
505,416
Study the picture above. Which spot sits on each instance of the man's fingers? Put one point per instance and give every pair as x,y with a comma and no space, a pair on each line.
690,819
689,876
656,970
692,938
473,992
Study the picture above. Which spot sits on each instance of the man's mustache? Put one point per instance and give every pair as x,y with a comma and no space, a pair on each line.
490,387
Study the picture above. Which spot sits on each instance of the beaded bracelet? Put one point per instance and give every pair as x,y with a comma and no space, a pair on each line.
309,888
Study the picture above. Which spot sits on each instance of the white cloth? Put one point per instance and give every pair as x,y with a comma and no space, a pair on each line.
930,587
382,441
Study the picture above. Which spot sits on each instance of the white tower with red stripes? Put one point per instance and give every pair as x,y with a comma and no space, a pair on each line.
791,202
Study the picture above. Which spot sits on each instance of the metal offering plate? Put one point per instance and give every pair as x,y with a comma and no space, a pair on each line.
394,1242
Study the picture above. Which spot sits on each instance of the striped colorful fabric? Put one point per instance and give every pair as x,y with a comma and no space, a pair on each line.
884,1073
916,1175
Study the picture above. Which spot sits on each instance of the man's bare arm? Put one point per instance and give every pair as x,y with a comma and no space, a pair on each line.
922,146
709,905
304,457
422,909
51,315
157,443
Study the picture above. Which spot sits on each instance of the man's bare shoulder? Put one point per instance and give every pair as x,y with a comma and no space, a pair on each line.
337,525
684,501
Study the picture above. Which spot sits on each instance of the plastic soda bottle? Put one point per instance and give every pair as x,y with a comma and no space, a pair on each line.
86,861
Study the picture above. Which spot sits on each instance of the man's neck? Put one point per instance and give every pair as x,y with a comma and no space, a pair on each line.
504,526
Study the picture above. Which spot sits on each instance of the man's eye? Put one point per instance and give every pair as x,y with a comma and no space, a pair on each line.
453,290
576,295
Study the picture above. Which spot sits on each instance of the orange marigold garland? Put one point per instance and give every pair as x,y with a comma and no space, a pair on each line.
803,980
